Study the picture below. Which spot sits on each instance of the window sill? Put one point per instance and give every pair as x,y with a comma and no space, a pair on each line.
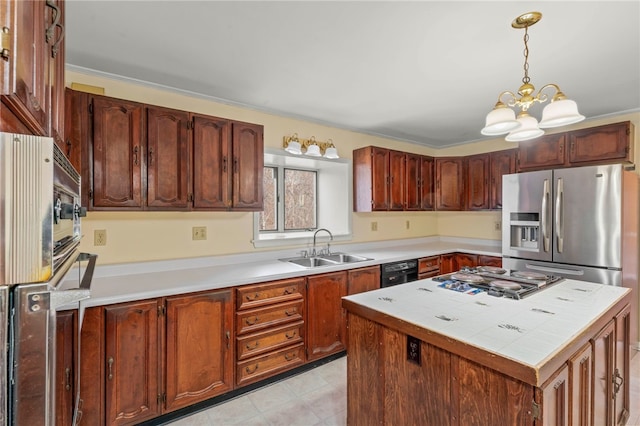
299,238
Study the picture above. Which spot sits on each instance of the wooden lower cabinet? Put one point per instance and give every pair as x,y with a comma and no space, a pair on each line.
580,375
326,322
142,359
428,267
66,340
555,398
363,279
484,260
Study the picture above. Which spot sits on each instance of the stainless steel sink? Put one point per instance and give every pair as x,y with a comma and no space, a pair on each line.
325,260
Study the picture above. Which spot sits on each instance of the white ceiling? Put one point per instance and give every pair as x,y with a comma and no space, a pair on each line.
422,71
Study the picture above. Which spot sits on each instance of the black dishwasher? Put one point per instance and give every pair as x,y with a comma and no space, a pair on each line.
398,272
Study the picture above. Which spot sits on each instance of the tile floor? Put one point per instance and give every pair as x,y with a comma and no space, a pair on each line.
318,397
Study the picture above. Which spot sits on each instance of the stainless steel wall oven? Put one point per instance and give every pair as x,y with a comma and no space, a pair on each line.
40,232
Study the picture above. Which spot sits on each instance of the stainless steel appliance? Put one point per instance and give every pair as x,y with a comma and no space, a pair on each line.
40,234
579,223
395,273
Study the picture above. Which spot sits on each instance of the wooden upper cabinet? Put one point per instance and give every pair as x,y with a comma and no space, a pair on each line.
132,362
412,194
26,73
427,193
168,159
396,180
211,162
500,163
119,145
478,182
546,152
603,144
198,324
450,183
370,179
56,50
247,168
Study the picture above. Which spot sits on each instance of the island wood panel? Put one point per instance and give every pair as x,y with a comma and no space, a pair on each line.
580,366
429,393
554,398
364,396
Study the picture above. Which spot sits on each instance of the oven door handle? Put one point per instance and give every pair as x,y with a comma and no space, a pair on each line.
73,295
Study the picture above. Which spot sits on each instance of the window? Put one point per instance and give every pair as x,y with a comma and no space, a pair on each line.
297,191
302,194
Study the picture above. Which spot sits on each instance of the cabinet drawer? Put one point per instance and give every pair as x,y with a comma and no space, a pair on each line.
426,275
269,340
257,319
255,369
263,294
429,264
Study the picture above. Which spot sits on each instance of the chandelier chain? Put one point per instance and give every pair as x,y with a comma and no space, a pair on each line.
526,78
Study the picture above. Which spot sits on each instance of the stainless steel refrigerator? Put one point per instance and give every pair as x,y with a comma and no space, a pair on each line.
579,223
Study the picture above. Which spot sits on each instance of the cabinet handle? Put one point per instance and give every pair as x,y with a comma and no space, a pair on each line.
224,164
288,336
291,312
48,35
235,164
135,155
289,290
68,144
249,322
110,362
56,45
150,155
67,378
289,357
250,371
255,297
255,345
617,380
228,335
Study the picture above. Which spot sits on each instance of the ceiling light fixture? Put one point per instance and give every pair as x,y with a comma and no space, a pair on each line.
313,148
559,112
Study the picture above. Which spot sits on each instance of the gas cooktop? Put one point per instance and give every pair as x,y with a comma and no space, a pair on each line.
499,282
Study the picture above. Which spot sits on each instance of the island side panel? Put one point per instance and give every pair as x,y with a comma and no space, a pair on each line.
365,400
417,394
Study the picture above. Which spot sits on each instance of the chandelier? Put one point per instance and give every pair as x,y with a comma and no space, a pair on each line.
559,112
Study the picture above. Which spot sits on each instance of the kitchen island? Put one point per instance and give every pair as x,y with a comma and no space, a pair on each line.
422,354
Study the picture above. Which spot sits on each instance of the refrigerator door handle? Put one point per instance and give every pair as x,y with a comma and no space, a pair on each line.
566,271
559,215
545,213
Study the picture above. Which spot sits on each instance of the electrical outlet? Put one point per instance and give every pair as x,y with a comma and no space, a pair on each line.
199,233
374,226
100,237
413,350
497,226
408,224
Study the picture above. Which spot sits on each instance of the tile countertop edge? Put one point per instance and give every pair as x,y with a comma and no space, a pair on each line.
119,283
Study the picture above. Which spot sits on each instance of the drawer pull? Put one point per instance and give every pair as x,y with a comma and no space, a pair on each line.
250,348
110,362
250,371
291,312
290,290
290,357
67,378
290,336
248,321
255,297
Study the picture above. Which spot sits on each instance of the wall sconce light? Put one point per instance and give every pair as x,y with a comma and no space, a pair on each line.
310,147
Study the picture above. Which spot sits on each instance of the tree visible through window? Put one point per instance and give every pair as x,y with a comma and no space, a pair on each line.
297,189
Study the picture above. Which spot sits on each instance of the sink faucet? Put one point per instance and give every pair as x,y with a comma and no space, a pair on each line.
313,251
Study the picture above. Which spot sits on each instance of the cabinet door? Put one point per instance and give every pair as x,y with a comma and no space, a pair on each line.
545,152
412,193
621,372
602,144
450,193
326,332
370,179
211,162
555,399
380,176
56,58
66,341
427,193
580,366
25,88
478,182
484,260
604,344
463,259
363,279
500,163
248,164
132,362
118,154
396,180
199,353
447,263
168,159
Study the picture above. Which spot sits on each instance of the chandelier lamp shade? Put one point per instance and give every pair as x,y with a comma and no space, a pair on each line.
559,112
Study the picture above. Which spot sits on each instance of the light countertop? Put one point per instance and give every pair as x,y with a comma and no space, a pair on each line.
137,281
